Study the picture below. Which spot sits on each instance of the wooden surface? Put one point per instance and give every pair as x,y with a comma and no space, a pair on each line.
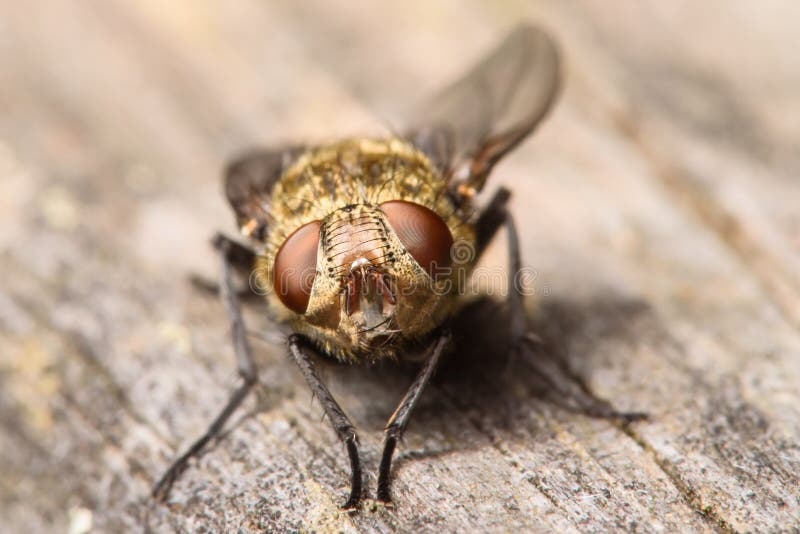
659,208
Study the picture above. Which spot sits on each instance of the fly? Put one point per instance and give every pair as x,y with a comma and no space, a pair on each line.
362,242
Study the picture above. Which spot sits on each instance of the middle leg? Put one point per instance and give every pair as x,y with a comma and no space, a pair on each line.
493,216
244,361
526,343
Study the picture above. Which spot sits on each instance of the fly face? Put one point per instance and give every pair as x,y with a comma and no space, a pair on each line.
361,254
372,288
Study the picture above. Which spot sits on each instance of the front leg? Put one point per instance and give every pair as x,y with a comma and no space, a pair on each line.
339,420
401,416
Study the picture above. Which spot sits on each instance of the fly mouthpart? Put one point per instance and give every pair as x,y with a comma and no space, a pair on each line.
359,264
367,291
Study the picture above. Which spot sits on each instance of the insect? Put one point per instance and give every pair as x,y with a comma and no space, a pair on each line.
359,240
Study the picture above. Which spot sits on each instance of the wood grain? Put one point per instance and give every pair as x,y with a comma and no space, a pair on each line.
658,210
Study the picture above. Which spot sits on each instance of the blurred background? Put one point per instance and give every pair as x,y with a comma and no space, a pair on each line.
665,180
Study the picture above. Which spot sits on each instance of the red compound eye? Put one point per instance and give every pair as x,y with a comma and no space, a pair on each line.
422,232
295,267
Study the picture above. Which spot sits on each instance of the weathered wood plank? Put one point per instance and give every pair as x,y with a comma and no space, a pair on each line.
657,207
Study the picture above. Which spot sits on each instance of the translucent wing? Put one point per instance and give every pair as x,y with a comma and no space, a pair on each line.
466,128
248,185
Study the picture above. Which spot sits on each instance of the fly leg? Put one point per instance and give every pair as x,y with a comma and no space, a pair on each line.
244,362
489,222
339,420
242,259
522,342
572,393
399,420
